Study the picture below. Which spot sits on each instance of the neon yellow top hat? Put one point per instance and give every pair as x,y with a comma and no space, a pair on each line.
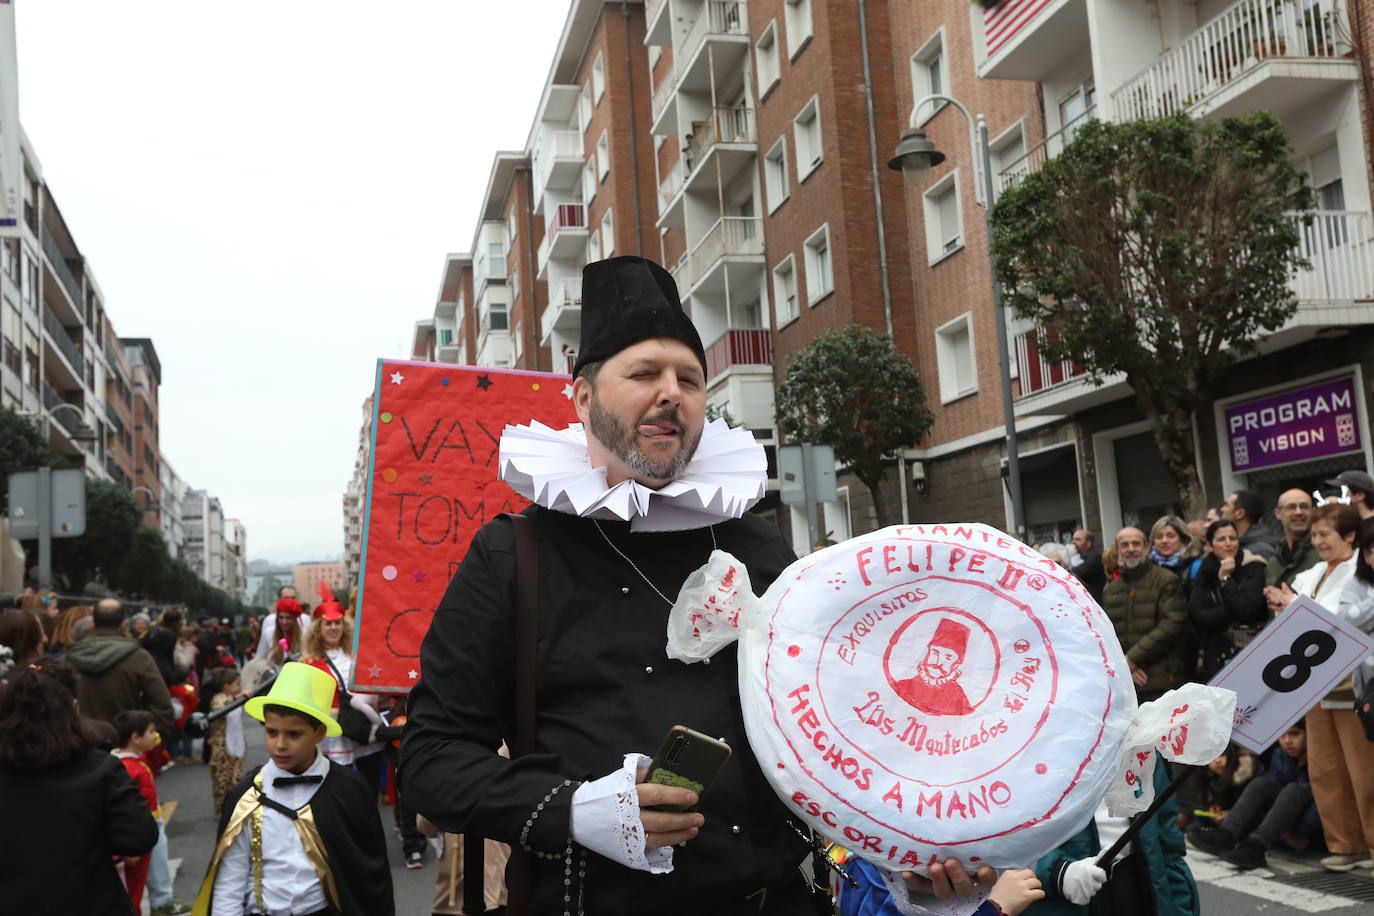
304,688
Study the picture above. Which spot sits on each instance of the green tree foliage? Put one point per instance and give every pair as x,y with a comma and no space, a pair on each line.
850,389
116,549
22,448
1159,249
112,520
147,567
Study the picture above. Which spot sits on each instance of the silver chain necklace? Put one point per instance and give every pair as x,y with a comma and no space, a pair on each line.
611,544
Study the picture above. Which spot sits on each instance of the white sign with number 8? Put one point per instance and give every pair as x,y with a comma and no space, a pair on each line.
1298,659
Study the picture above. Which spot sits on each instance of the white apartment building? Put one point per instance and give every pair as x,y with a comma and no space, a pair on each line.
355,497
1212,58
235,560
202,518
170,507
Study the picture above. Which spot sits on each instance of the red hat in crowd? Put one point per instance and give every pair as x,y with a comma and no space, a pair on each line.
328,608
288,606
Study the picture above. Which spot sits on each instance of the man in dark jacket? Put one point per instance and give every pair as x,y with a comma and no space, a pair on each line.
1149,613
1087,565
1296,553
1246,509
115,673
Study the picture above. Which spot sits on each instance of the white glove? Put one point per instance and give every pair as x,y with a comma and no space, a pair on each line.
1081,880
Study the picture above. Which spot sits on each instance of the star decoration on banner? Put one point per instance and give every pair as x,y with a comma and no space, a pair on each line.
397,378
483,382
413,674
418,575
426,478
375,671
567,391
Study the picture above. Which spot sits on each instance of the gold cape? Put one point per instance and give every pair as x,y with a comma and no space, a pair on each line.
248,811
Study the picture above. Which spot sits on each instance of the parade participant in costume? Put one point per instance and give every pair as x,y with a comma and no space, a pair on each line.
627,506
1149,877
136,735
283,641
299,834
226,735
267,633
329,647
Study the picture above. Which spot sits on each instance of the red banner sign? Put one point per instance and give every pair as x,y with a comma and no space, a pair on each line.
432,482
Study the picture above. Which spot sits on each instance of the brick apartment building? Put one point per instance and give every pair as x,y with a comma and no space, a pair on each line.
146,376
743,144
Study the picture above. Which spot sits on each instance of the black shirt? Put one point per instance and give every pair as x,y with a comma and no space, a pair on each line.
605,688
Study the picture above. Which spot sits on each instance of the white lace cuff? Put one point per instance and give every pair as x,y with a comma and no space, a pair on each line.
605,819
915,905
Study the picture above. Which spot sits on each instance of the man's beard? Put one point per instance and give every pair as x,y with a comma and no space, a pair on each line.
1132,563
620,440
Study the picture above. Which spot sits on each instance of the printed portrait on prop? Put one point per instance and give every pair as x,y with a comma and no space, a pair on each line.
432,483
926,692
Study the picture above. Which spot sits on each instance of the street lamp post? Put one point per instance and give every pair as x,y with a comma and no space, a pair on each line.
82,433
152,498
914,157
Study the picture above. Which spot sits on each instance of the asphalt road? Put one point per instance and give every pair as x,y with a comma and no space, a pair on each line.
1275,891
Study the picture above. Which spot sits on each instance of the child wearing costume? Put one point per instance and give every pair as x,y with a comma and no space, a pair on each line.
299,834
137,734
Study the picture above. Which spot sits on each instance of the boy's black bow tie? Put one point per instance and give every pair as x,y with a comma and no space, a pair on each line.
296,780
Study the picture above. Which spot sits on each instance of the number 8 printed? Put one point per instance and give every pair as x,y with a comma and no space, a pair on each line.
1309,650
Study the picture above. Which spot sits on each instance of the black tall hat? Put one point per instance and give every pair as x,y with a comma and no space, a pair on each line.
626,300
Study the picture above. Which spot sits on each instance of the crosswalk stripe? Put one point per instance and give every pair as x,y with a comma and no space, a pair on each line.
1210,870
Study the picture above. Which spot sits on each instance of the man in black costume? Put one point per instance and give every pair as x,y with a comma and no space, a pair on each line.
640,515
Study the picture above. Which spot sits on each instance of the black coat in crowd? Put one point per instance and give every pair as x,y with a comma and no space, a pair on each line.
1221,616
63,826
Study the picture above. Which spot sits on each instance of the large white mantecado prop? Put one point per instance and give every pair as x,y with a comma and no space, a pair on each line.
926,692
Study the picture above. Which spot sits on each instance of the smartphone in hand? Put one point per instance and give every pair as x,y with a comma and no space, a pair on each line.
689,760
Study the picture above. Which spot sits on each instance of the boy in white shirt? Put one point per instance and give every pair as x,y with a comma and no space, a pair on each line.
300,835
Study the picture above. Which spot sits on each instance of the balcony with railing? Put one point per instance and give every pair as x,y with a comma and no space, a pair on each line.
61,270
563,314
717,19
565,234
728,133
70,420
1036,373
558,161
736,237
1042,152
1028,39
664,89
1278,54
739,347
63,342
1339,246
1337,288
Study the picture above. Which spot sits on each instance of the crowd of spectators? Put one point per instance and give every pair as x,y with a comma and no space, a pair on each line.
1186,597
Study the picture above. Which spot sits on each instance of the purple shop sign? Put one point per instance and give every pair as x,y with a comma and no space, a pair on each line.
1314,422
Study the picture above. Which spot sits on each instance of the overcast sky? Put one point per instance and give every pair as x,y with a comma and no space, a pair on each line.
267,190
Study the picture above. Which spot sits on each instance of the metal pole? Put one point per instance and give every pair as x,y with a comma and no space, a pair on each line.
809,493
1018,518
44,529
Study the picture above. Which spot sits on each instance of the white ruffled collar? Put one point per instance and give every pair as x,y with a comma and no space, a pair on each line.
550,467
